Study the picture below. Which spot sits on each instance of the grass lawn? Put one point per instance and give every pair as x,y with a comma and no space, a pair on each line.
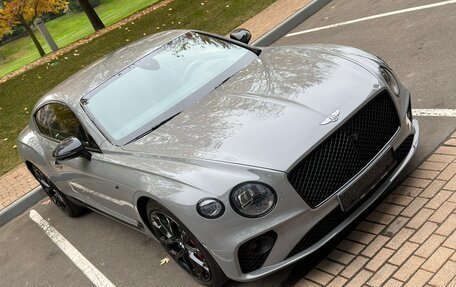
18,95
65,30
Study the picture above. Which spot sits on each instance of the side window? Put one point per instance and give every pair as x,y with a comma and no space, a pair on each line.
57,121
41,120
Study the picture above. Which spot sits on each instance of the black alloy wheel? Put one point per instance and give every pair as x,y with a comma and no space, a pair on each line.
178,244
184,247
56,196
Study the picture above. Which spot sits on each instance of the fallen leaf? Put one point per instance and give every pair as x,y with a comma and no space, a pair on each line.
164,261
46,202
15,146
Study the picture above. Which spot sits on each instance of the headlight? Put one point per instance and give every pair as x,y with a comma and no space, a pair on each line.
390,80
210,208
253,199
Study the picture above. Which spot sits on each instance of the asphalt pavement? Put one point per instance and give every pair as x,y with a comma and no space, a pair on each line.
419,45
126,257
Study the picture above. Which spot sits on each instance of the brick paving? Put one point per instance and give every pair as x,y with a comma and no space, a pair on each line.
15,184
408,240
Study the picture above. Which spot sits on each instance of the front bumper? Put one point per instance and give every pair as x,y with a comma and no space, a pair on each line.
292,230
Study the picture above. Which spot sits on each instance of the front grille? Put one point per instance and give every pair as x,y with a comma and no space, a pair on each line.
335,217
249,260
346,152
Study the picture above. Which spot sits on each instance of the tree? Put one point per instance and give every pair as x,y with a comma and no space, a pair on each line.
74,5
23,12
96,22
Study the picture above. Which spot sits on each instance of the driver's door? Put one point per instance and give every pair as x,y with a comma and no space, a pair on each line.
77,177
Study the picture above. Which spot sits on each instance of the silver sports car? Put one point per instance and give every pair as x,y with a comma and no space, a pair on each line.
240,160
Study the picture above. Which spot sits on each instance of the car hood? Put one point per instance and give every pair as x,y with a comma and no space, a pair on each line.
269,114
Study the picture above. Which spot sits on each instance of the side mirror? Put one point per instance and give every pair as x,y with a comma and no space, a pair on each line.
241,35
70,148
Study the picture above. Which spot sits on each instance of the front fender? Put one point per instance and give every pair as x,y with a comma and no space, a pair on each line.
30,150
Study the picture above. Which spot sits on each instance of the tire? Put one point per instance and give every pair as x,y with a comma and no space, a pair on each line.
184,247
57,197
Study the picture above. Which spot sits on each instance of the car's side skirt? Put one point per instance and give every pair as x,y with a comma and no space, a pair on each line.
139,226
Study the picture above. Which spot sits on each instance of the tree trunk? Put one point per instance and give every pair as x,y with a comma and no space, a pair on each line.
96,22
34,39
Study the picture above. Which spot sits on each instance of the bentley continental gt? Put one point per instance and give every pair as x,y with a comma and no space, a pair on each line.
239,160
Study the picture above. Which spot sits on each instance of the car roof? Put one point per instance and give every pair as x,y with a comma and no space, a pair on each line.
81,83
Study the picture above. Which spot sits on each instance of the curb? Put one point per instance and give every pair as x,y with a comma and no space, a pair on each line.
291,22
21,205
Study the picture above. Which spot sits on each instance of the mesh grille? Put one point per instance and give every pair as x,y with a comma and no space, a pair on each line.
346,152
250,261
335,217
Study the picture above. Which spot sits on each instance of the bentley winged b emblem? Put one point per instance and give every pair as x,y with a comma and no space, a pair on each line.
332,118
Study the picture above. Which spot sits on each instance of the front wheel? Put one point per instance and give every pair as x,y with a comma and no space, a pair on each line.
184,247
56,196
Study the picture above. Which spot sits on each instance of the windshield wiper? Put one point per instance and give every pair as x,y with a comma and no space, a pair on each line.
153,128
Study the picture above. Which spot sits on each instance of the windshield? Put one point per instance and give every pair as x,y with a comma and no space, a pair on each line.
162,84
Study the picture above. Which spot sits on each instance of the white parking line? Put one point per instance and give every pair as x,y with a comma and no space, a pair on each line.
434,112
94,275
374,17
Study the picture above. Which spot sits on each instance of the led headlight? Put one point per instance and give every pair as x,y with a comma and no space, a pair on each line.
210,208
253,199
390,80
